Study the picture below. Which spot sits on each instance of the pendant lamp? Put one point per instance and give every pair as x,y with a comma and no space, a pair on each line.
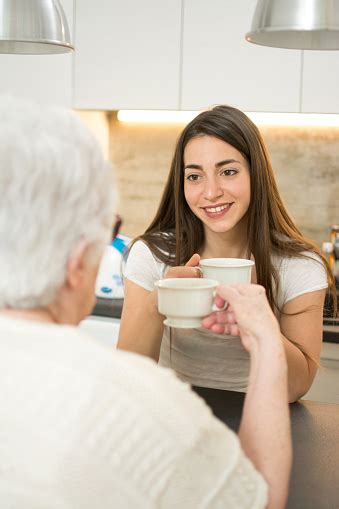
33,27
296,24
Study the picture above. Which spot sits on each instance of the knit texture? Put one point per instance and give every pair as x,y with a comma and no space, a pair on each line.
84,426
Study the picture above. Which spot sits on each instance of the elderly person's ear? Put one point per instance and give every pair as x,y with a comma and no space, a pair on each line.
82,266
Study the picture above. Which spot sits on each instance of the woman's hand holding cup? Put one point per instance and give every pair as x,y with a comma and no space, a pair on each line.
190,269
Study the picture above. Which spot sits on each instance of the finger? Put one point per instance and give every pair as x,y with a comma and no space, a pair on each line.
219,328
225,317
218,317
182,272
234,330
233,296
193,261
228,293
248,289
219,301
229,329
252,290
209,320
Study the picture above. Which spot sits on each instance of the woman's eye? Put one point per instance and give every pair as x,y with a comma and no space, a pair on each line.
229,172
193,177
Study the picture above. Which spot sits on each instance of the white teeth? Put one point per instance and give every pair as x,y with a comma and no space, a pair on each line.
216,209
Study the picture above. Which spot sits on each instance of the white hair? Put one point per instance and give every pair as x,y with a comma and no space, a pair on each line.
56,191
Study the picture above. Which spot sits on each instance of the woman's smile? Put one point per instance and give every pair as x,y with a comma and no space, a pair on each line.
217,211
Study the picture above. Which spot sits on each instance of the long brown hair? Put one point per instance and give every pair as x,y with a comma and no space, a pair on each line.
176,233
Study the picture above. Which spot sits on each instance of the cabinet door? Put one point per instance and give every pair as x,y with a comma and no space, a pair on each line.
220,66
320,90
127,54
42,78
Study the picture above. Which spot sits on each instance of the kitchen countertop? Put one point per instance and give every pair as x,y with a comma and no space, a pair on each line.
111,308
315,473
331,330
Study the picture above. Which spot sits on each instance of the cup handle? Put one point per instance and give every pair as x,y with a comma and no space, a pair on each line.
216,308
199,271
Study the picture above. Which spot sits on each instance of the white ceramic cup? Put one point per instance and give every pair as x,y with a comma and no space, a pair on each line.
185,301
227,270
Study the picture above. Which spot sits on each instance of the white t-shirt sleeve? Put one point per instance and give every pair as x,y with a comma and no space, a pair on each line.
302,275
142,268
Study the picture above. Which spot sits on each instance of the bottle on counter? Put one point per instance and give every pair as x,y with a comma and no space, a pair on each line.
327,249
334,232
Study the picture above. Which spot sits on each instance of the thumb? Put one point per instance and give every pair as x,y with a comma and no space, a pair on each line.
228,294
193,261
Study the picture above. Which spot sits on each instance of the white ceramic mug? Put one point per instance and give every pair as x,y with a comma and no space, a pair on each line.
185,301
227,270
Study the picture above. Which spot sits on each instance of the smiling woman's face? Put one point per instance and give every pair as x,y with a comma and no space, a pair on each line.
217,183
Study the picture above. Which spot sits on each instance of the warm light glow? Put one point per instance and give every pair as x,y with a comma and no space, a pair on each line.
295,119
259,118
162,116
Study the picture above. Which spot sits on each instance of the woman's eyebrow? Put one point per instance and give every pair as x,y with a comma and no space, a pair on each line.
193,167
217,165
226,161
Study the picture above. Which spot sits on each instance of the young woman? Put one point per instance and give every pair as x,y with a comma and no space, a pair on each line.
221,200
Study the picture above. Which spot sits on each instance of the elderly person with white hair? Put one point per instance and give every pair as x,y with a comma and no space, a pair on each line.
83,426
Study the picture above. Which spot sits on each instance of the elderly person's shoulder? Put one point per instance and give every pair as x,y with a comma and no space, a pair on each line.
63,355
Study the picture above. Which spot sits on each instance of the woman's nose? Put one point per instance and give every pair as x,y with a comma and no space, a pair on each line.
213,189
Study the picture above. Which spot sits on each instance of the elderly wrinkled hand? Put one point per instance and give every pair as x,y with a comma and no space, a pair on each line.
247,314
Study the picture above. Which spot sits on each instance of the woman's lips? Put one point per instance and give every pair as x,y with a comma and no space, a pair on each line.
217,211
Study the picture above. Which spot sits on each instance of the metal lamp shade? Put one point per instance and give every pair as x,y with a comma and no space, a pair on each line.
33,27
296,24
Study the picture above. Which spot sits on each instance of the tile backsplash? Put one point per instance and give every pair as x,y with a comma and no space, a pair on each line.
306,165
305,161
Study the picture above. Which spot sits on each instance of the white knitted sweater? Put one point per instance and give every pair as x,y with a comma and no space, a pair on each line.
85,427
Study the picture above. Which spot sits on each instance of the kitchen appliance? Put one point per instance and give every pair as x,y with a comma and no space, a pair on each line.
109,284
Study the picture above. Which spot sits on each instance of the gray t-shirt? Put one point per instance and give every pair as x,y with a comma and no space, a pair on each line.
201,357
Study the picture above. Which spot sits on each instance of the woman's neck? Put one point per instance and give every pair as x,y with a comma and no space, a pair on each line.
233,244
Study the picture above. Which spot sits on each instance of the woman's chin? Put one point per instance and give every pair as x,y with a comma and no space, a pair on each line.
218,228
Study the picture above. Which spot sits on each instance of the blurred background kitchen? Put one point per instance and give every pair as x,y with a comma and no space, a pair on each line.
184,56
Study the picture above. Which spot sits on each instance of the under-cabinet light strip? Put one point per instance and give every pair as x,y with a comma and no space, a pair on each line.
259,118
155,116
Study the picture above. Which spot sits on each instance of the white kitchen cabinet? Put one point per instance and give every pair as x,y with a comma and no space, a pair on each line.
42,78
320,88
220,66
183,54
127,54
